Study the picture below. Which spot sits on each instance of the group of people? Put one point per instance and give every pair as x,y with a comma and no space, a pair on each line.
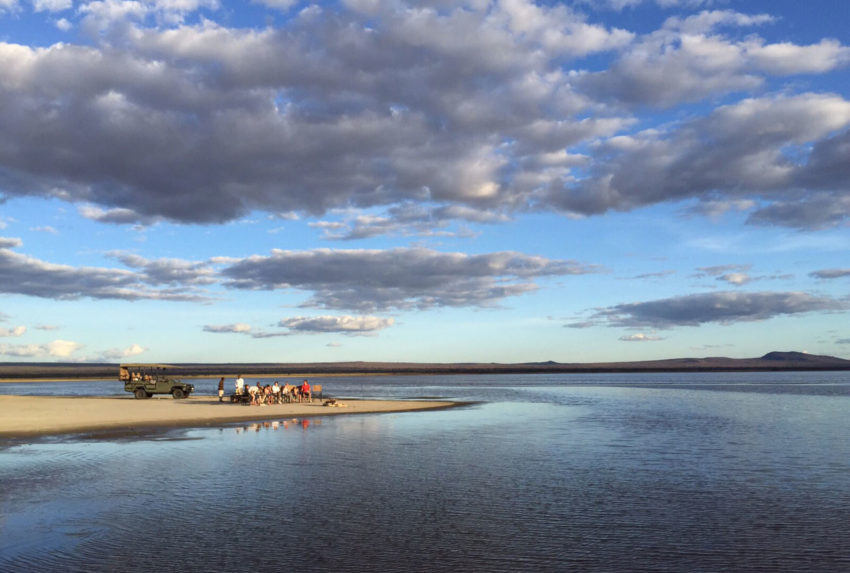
271,393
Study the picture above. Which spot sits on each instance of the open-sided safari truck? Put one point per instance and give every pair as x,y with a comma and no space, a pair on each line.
145,380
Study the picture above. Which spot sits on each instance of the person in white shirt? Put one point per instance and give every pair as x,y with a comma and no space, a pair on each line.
240,384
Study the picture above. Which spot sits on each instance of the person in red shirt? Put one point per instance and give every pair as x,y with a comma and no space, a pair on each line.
305,391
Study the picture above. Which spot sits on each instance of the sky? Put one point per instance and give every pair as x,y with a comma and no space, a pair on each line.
431,181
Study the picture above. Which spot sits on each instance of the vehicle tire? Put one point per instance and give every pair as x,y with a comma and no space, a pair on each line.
177,393
140,394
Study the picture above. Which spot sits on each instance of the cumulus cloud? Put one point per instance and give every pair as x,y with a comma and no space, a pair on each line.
475,110
683,61
363,280
809,211
24,275
16,331
404,278
101,15
238,328
720,307
640,337
739,150
408,219
733,274
45,229
830,273
283,5
167,271
737,279
118,216
354,325
54,349
202,123
51,5
624,4
336,324
121,353
786,58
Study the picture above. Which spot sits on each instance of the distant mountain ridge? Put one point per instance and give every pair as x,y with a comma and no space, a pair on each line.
772,361
798,356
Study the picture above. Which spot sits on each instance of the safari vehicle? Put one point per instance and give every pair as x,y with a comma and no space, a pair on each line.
145,380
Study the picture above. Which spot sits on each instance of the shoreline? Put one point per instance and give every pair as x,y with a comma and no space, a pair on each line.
265,376
775,361
35,416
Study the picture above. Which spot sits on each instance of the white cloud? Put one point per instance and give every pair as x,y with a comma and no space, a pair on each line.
474,106
831,273
17,331
160,280
239,328
230,126
738,152
786,58
45,229
640,337
120,353
282,5
52,5
103,14
117,216
62,348
368,280
356,325
733,274
338,324
737,279
54,349
720,307
167,271
627,4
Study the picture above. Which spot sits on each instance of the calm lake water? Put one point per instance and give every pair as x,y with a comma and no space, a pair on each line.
660,472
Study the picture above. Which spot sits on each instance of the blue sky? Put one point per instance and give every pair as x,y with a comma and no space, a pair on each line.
433,181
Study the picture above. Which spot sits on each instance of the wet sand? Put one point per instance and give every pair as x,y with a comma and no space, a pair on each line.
45,415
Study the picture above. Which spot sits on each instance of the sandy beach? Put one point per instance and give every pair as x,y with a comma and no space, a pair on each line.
45,415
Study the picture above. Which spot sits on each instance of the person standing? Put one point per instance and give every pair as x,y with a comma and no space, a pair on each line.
221,389
240,384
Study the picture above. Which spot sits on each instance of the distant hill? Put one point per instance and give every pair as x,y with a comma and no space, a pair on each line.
772,361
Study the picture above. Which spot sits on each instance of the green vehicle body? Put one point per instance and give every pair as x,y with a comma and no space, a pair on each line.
145,380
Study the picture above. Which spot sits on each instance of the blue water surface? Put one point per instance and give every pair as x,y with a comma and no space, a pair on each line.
672,472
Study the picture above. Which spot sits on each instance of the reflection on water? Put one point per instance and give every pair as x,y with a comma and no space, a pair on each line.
704,473
295,423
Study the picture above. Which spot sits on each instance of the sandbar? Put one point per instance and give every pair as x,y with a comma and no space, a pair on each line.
23,416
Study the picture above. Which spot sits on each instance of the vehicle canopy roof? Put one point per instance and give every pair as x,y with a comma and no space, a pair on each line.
145,365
